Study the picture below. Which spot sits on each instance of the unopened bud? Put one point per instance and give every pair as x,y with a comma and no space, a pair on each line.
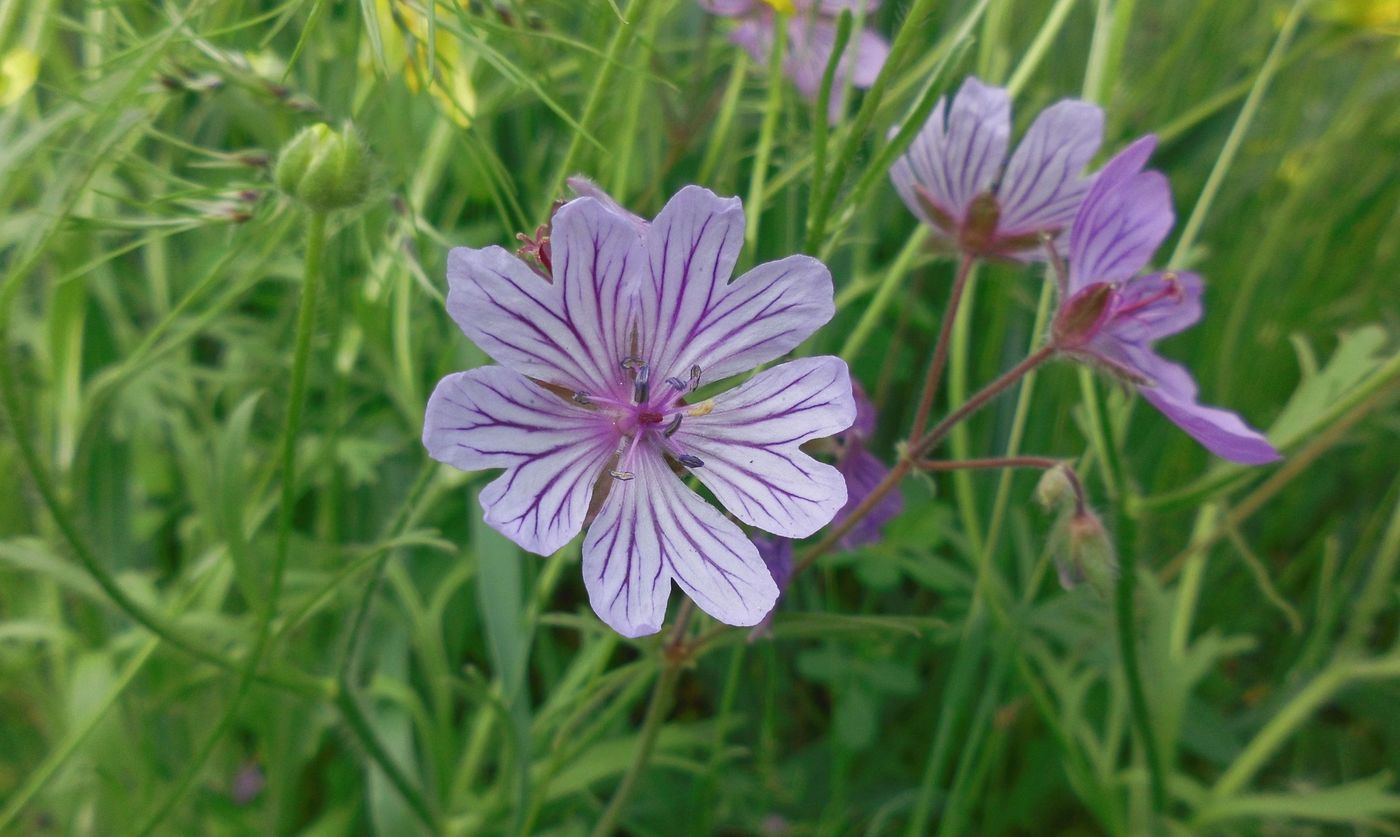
1055,488
324,168
1087,554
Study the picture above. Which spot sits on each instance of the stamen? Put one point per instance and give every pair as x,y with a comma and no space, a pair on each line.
694,377
622,476
582,400
676,384
673,426
690,461
641,391
701,409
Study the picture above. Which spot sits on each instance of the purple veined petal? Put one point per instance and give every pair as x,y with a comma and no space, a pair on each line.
1151,307
729,8
1043,185
1173,391
552,451
871,50
862,472
749,445
651,530
692,315
956,161
585,188
571,332
1122,221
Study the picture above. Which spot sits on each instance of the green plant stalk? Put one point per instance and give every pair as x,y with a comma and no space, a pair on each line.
296,398
657,708
1237,133
1377,588
595,97
870,316
903,43
364,732
1322,688
754,206
1035,53
821,125
959,442
729,104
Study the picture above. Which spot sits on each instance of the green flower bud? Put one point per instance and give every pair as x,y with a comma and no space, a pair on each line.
1055,488
1086,554
324,168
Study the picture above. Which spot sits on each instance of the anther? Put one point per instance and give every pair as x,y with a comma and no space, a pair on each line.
676,384
641,391
623,476
673,426
582,400
695,377
690,461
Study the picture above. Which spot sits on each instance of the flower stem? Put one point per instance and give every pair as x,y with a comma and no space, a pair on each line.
940,350
657,708
753,207
306,325
919,448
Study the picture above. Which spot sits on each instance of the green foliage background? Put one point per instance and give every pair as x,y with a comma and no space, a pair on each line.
421,674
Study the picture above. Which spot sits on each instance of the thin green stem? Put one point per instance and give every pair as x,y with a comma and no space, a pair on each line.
774,106
657,709
296,398
870,314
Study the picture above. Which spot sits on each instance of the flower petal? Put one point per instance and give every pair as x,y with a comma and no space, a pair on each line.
693,316
553,452
651,530
755,36
862,472
728,8
1173,391
749,443
954,164
585,188
834,8
1122,220
1169,303
1043,185
570,332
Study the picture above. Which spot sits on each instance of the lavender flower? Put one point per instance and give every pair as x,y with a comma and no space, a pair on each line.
1110,316
811,37
598,369
952,176
777,557
863,471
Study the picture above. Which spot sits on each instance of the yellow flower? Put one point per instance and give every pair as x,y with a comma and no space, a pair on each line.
18,70
782,6
403,30
1378,15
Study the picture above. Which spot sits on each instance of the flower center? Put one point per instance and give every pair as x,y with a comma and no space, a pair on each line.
644,416
1172,291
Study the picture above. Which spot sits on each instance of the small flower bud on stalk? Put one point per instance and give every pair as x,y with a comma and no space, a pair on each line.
324,168
1086,554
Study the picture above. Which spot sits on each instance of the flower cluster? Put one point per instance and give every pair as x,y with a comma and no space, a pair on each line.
609,331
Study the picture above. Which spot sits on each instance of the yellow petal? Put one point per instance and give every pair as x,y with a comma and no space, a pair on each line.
782,6
18,70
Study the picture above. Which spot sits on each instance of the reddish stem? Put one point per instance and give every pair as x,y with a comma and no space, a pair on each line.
940,350
917,450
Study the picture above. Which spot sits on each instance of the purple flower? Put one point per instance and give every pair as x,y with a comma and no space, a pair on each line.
952,177
811,37
863,471
1111,316
598,369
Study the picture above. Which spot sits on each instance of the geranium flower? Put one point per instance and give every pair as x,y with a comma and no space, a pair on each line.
811,37
952,176
863,471
1110,316
596,388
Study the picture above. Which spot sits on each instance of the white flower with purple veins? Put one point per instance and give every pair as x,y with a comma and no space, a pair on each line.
956,178
1110,316
811,37
597,387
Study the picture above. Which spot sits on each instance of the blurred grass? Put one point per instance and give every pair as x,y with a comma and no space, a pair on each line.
423,674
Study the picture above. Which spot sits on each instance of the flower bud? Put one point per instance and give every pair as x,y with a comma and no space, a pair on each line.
1086,554
324,168
1055,488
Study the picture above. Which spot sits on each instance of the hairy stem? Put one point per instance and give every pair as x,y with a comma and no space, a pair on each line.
657,708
